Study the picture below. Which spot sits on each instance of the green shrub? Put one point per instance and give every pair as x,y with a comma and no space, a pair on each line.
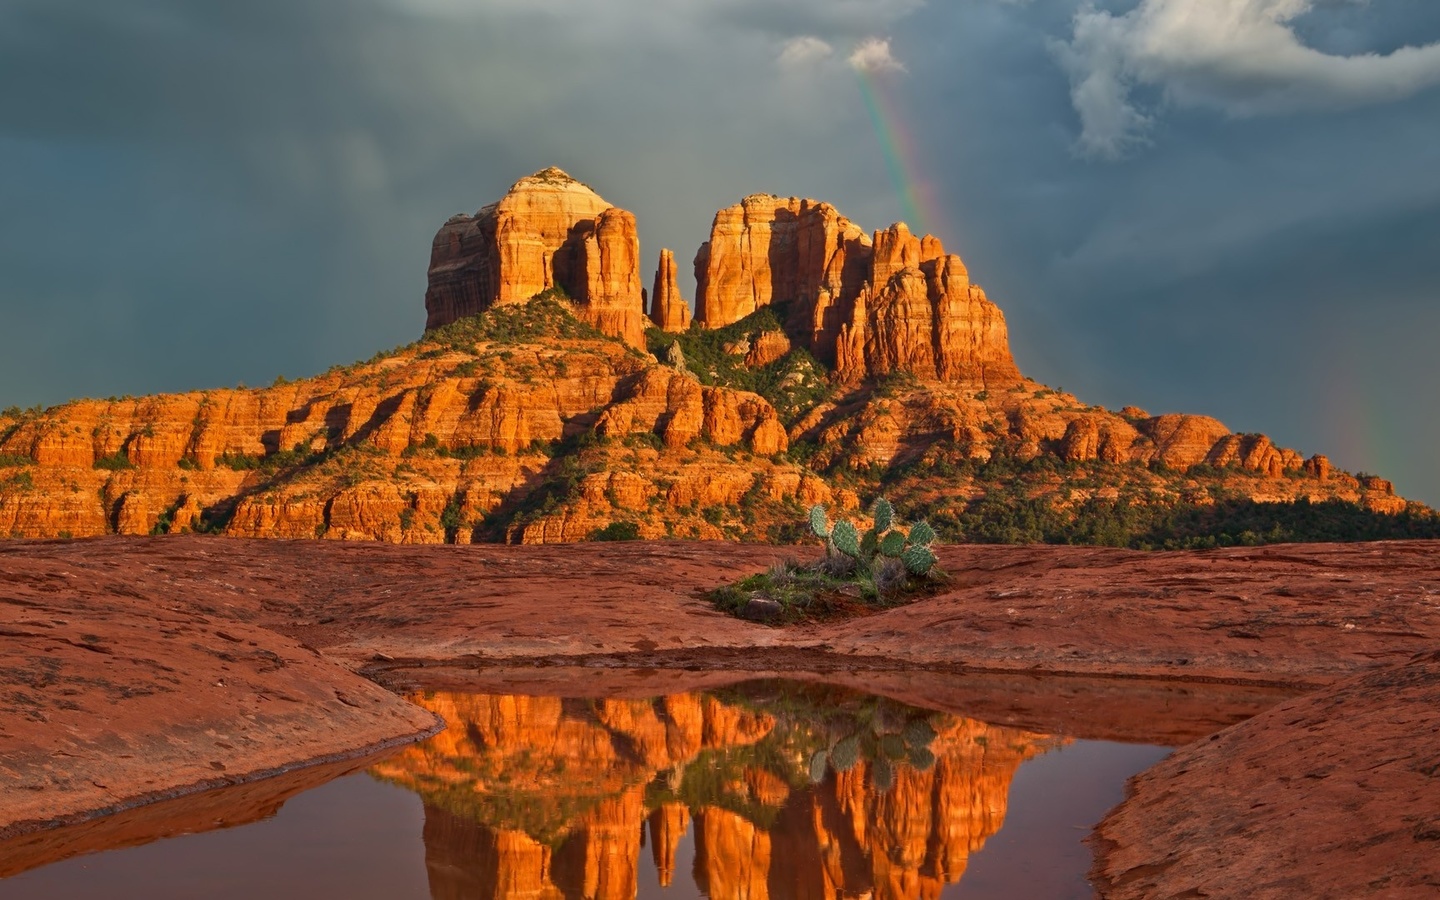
115,462
617,531
20,481
879,567
793,384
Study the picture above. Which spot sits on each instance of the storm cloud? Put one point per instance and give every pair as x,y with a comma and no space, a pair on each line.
1241,57
200,194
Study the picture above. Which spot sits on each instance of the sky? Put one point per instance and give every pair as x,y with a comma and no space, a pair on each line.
1226,207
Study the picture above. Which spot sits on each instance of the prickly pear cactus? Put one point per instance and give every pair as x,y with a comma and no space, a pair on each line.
884,516
919,560
846,538
820,522
921,534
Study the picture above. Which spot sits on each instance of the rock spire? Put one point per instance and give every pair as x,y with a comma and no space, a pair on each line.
667,310
548,231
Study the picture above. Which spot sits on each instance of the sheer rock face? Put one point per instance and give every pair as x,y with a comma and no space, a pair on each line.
613,299
894,302
548,231
668,310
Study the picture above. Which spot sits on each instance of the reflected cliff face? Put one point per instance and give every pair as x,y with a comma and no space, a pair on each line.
785,789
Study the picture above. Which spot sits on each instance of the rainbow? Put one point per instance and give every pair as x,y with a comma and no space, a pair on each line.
897,146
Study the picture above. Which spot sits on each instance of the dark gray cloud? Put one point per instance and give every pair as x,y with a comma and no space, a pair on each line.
198,194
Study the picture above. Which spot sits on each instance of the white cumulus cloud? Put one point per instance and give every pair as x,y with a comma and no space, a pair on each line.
1241,57
873,55
804,51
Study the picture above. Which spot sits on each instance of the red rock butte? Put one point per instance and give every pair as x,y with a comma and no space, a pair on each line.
549,231
865,305
526,425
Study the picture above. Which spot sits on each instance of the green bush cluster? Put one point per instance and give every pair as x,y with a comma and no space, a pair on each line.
299,455
617,531
20,481
793,384
546,315
115,462
884,564
1007,516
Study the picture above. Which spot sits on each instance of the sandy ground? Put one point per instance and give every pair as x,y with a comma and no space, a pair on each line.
132,669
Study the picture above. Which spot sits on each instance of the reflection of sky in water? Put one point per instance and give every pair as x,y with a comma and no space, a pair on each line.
542,798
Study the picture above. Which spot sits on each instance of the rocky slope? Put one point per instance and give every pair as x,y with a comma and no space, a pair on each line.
823,365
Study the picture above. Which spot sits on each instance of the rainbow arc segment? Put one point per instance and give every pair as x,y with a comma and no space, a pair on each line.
918,204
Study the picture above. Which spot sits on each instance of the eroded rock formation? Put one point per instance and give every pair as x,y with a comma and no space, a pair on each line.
549,231
417,447
868,306
668,310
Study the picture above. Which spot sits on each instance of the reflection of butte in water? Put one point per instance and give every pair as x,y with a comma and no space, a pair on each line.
539,797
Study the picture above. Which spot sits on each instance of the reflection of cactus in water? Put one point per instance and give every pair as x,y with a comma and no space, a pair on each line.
846,753
892,736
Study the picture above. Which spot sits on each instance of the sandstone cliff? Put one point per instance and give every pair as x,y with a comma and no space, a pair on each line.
548,232
868,306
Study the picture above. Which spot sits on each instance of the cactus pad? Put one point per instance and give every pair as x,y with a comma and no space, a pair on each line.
884,516
846,539
893,746
919,733
921,759
846,753
893,544
919,560
921,534
818,763
819,521
882,774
